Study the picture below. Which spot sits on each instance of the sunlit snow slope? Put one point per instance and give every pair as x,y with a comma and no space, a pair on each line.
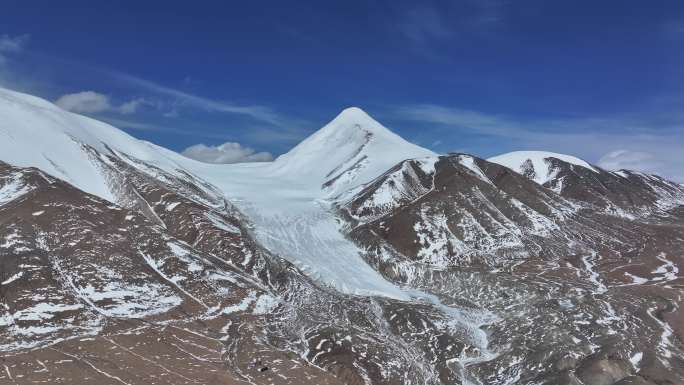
536,165
350,150
286,200
36,133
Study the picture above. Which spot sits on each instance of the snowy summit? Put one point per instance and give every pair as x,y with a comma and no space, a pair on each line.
537,165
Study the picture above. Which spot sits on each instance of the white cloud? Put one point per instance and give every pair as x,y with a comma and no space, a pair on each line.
666,164
229,152
172,113
132,106
457,118
11,44
87,102
91,102
626,159
257,112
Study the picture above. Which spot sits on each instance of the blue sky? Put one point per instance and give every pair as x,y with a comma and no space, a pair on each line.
601,80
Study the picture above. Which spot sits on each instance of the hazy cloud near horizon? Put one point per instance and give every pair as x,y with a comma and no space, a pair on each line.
635,160
229,152
629,142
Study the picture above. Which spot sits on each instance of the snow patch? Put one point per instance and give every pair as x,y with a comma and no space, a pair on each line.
12,278
12,187
221,223
265,304
171,206
536,164
469,162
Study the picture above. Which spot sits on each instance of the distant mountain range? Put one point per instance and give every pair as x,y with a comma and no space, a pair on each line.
355,258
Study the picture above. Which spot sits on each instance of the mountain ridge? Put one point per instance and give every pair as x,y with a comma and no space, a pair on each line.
347,124
346,151
346,260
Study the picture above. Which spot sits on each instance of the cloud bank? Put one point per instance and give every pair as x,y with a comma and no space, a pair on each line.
229,152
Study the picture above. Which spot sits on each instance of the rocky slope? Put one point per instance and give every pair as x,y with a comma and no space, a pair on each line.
179,293
356,258
624,193
576,284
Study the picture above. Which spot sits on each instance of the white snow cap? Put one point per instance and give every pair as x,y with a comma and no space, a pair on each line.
525,162
37,133
352,149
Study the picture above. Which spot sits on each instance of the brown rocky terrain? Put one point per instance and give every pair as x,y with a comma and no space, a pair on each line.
122,262
94,293
584,295
178,292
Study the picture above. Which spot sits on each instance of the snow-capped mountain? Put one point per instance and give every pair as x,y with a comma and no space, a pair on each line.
283,198
623,192
355,258
540,166
37,133
459,209
350,150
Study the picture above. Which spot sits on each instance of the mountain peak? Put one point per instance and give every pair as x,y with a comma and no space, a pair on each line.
353,119
349,150
537,165
351,114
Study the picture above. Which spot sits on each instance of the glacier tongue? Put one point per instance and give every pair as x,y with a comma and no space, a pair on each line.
288,200
284,199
